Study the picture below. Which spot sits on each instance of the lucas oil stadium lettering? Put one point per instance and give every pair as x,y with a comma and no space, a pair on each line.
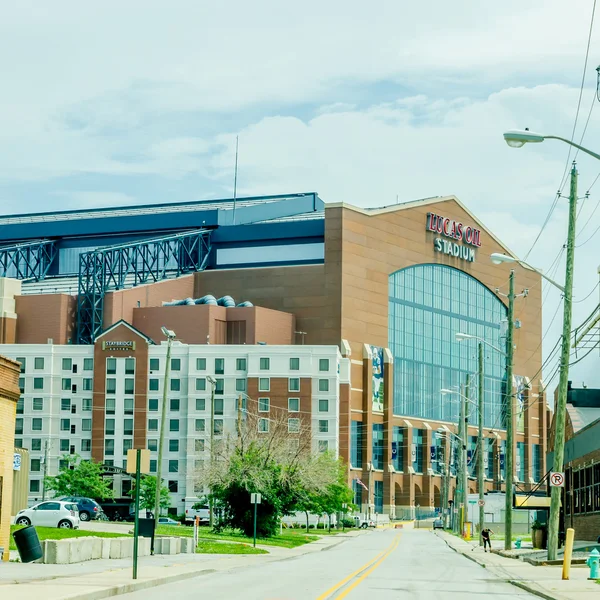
455,231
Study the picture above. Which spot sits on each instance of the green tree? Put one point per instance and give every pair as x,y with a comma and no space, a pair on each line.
79,478
148,494
336,494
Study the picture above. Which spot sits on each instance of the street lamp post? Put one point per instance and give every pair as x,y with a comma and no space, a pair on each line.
170,335
516,139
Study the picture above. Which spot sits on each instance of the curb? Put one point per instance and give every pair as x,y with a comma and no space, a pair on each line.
523,585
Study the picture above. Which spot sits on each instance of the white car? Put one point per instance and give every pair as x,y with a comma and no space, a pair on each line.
50,514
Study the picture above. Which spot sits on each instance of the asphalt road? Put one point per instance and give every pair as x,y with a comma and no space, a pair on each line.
381,565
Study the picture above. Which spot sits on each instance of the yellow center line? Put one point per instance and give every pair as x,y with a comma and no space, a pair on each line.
371,566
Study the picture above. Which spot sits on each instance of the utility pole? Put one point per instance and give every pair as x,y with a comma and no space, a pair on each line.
213,383
561,405
465,472
509,401
46,445
480,473
163,418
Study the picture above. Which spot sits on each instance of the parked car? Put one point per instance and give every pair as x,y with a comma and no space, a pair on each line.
438,524
88,509
167,521
54,513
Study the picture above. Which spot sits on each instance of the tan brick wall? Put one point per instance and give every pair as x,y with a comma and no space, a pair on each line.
46,316
9,394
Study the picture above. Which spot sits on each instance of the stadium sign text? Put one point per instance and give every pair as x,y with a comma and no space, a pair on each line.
454,230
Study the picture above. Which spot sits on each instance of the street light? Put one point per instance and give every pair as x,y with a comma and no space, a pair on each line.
517,139
170,335
465,336
499,258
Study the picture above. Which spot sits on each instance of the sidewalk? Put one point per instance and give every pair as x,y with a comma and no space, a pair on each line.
543,581
97,579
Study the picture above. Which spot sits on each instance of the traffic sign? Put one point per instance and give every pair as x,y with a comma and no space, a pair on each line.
481,503
557,479
255,498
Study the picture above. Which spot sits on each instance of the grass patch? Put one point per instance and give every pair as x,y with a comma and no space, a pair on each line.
54,533
213,547
174,530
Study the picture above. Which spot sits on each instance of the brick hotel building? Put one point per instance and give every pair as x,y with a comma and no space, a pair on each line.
365,302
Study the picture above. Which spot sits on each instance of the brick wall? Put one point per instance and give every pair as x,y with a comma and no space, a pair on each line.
46,316
9,394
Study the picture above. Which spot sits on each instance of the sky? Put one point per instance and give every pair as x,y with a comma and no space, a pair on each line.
120,103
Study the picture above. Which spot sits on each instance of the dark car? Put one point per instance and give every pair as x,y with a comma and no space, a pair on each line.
88,509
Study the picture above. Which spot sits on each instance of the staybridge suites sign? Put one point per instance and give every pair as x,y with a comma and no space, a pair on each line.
454,230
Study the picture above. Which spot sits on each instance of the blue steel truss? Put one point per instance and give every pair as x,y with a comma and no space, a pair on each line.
28,260
128,265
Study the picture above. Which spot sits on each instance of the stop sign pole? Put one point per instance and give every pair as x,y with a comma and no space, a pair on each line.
255,499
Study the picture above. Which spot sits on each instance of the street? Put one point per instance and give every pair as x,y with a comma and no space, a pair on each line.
381,565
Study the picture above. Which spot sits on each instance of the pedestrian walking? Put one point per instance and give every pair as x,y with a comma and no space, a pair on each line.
487,543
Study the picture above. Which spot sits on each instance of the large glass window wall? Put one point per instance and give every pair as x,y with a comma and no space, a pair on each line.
428,305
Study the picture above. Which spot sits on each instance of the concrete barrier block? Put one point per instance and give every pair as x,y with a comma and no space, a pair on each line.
105,547
187,545
167,546
96,548
144,544
115,548
126,547
58,552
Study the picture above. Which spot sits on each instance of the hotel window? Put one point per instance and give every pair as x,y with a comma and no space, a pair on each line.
323,445
86,405
153,404
67,364
175,364
86,424
173,445
377,446
153,385
200,384
323,426
219,366
200,364
153,465
35,464
109,426
23,362
19,426
356,445
264,384
240,385
201,425
199,445
293,404
64,445
36,424
152,424
86,445
154,364
111,366
219,386
111,385
20,406
294,384
128,406
265,364
22,384
293,425
38,383
240,364
219,406
129,386
127,445
128,427
88,364
109,447
398,448
130,366
36,444
110,406
173,486
174,425
263,404
323,364
294,364
173,466
38,404
263,425
38,363
34,486
153,445
218,427
175,385
200,404
323,385
174,404
323,405
88,384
